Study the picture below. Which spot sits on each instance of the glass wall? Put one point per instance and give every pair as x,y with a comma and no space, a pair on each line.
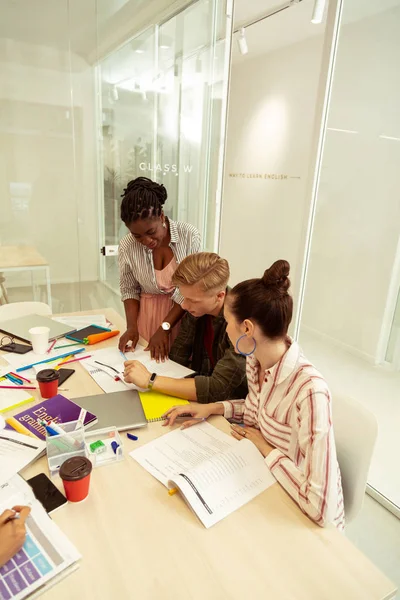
272,114
350,321
46,127
163,98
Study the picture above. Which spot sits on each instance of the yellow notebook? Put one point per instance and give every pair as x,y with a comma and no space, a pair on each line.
156,404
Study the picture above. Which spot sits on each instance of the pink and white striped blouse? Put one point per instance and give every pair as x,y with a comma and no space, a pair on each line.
293,412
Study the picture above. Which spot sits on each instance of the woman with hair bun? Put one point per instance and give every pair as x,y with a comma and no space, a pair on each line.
287,412
148,257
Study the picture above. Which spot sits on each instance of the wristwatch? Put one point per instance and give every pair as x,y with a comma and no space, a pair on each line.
151,381
166,326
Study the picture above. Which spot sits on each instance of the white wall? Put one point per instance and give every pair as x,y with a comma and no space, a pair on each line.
270,127
41,147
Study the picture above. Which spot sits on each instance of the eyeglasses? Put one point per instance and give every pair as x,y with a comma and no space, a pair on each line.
6,340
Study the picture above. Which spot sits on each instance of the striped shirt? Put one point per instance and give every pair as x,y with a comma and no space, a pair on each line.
293,412
136,267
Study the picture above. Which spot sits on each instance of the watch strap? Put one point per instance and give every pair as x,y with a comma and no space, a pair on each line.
151,381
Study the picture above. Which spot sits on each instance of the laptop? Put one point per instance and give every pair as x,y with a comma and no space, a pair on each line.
19,328
122,410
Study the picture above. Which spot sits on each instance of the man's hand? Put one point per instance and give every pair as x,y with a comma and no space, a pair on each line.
130,335
135,372
159,345
12,532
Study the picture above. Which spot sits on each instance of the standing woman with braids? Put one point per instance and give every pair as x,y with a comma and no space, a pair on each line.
148,257
287,412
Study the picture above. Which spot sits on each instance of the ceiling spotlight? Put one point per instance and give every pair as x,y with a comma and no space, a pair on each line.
139,51
164,47
318,12
242,42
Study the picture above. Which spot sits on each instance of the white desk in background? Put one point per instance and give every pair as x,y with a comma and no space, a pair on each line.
25,258
138,542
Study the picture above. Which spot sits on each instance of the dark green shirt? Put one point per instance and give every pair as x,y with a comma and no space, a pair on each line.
227,379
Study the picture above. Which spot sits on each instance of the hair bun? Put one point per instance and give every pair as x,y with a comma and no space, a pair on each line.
277,276
143,185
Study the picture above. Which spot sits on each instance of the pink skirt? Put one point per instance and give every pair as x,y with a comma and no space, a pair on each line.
153,310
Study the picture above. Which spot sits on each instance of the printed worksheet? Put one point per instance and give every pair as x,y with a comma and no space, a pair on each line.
47,554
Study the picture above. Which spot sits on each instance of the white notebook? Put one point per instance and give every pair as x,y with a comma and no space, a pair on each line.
113,366
16,452
215,473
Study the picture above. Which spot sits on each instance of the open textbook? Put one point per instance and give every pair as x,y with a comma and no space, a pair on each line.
215,473
46,556
113,365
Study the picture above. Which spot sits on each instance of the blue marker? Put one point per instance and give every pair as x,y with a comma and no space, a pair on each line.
123,355
114,446
132,437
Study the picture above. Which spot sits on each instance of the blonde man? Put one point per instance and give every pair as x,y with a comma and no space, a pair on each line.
202,343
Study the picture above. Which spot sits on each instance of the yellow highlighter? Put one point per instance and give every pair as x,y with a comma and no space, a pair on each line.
172,491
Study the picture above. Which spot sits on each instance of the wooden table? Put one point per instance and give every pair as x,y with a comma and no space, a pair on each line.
138,542
25,258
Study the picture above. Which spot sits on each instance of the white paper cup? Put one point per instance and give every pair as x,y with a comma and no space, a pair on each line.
39,337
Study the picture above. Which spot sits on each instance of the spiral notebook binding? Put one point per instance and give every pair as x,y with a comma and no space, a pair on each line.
156,419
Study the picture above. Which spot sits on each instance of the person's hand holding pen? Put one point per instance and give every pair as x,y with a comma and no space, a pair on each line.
135,372
198,412
12,532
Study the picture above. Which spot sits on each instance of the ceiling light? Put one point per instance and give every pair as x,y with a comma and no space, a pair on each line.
318,12
139,51
164,47
242,42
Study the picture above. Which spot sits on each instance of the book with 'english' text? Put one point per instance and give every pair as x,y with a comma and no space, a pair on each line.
57,409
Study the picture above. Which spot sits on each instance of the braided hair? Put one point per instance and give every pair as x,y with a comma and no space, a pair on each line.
142,199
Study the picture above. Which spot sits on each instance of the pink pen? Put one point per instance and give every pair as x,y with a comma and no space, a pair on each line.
76,359
51,346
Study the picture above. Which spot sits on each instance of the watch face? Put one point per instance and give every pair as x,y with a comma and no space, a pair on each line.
166,326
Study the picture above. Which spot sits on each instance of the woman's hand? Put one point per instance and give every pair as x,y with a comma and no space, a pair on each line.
252,434
130,335
159,345
199,412
12,532
135,372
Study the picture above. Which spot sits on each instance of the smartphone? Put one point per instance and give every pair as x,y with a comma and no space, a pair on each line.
46,492
17,348
64,374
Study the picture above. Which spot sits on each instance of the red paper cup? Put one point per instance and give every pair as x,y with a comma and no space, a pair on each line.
48,382
75,474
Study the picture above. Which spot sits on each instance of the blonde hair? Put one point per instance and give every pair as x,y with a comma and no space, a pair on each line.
205,268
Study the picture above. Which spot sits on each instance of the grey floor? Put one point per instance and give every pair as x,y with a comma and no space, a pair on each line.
376,531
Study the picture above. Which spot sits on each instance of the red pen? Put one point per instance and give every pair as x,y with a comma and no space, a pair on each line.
20,377
20,387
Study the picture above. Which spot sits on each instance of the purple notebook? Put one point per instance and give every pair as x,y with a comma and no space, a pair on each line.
58,409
